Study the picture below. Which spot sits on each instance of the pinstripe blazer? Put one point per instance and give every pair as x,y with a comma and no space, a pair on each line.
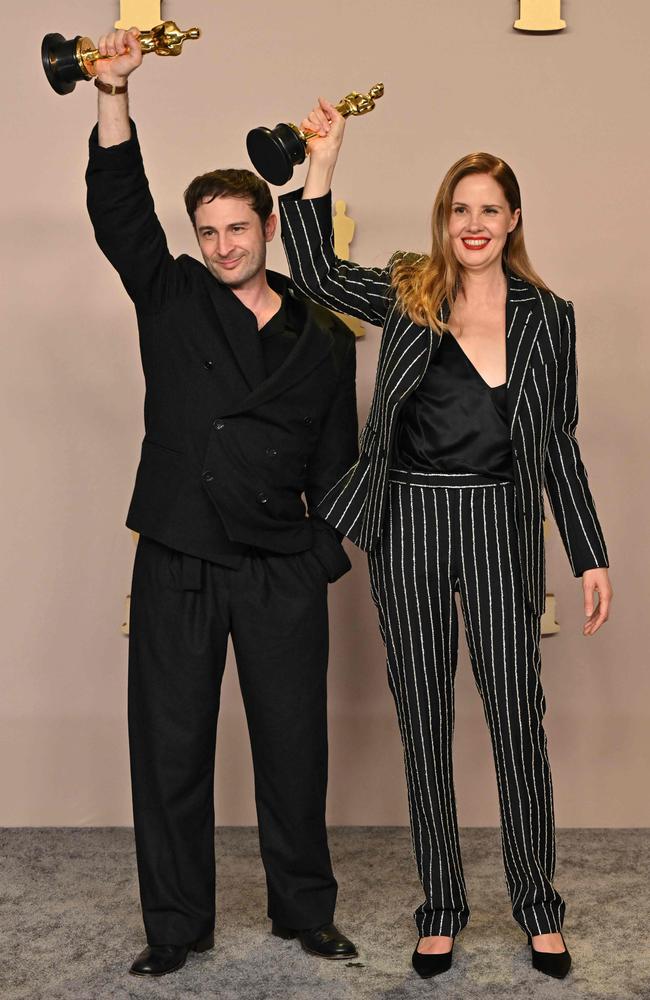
541,393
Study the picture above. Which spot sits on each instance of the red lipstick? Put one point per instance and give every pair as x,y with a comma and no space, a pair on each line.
475,242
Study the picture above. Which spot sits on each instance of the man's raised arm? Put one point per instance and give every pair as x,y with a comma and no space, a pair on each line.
124,55
119,201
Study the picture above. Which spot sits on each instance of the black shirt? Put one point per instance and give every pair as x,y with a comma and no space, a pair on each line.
277,340
454,421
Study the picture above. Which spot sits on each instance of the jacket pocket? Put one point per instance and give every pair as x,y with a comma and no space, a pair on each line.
163,447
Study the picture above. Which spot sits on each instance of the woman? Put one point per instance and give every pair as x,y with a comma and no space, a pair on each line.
474,412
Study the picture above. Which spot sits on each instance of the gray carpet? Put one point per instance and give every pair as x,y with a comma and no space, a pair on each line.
70,922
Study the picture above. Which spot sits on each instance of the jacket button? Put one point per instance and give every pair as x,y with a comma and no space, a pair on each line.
218,425
208,364
307,420
271,452
207,477
261,497
516,453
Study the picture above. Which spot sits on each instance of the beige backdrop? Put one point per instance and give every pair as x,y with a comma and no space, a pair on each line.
569,112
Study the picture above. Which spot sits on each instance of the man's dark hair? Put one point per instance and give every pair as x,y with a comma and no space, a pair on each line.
242,184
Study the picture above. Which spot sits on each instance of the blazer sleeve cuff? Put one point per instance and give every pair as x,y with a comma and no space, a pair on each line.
327,547
122,155
295,207
600,564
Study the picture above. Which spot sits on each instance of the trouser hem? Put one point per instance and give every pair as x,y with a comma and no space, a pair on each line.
440,923
165,936
300,924
539,919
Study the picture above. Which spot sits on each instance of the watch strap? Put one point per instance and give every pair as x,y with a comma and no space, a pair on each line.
110,88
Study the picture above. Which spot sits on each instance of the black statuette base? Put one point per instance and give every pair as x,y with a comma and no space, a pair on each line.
275,152
60,63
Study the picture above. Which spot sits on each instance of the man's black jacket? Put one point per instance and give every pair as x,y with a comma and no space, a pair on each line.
224,447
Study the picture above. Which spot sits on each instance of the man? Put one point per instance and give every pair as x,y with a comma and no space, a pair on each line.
250,403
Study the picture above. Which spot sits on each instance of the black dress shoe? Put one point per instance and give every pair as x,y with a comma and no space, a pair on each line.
325,941
555,964
159,959
431,965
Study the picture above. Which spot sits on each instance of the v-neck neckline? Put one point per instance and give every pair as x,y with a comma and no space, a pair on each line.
473,366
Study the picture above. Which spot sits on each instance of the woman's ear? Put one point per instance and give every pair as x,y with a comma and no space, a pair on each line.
516,215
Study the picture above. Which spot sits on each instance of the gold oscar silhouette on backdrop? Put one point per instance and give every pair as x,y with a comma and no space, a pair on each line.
549,625
540,15
143,13
344,228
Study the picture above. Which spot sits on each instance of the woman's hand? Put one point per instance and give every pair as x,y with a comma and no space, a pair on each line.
123,55
596,580
329,125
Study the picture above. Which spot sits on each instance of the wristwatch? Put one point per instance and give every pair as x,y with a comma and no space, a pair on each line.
110,88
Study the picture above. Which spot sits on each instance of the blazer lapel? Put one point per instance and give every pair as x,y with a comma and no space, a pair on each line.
240,329
523,322
312,346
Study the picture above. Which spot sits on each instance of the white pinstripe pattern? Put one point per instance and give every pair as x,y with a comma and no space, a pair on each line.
541,395
438,538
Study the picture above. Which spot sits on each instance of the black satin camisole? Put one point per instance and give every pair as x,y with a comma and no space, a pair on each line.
454,421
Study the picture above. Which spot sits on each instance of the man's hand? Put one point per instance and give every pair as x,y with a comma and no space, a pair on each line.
596,580
123,55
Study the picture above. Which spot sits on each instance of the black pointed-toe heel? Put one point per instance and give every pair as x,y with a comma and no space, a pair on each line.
551,963
427,966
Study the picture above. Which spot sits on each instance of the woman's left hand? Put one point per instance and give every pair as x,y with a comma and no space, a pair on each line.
596,580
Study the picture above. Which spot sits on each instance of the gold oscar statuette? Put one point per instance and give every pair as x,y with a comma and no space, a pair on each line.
275,152
67,61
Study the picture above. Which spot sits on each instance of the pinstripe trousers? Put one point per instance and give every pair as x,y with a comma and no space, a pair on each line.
457,532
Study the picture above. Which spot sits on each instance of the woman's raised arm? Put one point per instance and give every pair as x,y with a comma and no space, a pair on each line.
307,232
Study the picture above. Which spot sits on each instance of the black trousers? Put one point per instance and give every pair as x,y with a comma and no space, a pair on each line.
446,533
182,612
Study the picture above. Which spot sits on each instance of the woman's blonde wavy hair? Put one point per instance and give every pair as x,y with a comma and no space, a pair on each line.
423,285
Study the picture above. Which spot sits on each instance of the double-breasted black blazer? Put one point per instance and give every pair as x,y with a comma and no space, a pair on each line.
225,447
541,393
